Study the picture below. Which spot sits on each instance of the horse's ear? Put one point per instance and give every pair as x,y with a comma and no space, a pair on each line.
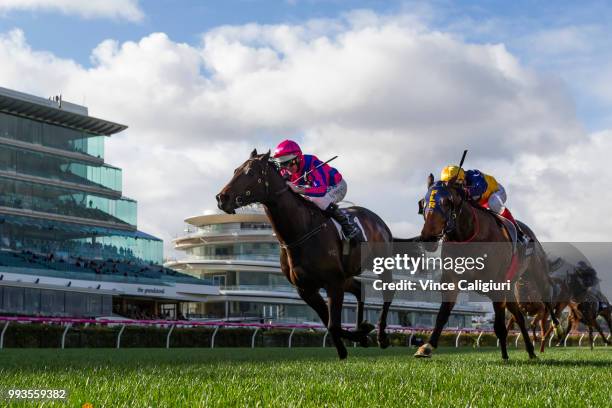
253,153
266,156
430,180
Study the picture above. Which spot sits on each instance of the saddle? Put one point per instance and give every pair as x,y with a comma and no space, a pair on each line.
521,252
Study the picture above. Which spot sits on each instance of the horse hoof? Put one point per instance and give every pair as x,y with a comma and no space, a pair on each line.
532,357
504,360
365,327
383,343
342,355
425,351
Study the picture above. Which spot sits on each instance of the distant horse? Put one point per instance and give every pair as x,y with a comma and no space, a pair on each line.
531,305
593,305
451,217
571,287
312,254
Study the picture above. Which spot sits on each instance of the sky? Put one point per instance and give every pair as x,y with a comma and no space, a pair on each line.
397,89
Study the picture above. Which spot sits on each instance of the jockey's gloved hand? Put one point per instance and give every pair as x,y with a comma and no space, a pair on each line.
296,189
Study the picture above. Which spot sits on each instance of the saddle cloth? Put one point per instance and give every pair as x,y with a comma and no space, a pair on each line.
520,252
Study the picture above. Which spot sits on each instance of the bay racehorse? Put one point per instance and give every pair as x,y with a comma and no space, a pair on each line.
450,217
312,256
570,287
592,305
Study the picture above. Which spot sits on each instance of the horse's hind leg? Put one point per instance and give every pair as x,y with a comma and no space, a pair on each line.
500,328
591,335
520,320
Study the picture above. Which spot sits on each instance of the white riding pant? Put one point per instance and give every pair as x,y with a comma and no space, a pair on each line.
497,200
334,194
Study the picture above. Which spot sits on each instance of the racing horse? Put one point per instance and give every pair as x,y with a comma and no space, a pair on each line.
593,304
450,217
313,256
569,288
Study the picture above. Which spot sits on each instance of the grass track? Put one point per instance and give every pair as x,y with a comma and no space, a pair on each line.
311,377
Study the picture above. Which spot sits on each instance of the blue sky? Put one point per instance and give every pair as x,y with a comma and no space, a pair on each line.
508,22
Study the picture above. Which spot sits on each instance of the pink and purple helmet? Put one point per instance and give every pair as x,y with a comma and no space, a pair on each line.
287,150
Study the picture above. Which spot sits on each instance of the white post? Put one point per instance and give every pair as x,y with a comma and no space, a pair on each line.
2,334
518,336
64,334
212,339
253,338
607,338
595,339
565,339
291,336
168,337
457,339
551,339
580,340
497,343
478,339
410,338
325,337
119,336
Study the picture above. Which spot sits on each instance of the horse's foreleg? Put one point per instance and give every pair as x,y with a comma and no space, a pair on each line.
335,298
511,322
520,320
383,340
543,331
591,336
362,327
599,329
500,328
446,308
316,302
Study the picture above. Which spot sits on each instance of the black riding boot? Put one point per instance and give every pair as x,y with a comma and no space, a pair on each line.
350,230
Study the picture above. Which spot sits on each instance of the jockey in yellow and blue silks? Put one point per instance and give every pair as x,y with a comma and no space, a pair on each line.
482,189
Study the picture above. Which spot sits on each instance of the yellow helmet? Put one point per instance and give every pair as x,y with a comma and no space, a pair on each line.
453,172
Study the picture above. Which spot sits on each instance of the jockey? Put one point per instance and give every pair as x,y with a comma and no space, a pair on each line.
484,190
324,186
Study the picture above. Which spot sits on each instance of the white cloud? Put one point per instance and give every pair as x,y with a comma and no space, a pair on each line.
393,98
115,9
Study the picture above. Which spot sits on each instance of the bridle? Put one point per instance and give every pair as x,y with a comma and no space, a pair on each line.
262,179
269,194
451,216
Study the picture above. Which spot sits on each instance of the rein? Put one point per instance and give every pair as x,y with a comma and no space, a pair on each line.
476,228
264,179
305,237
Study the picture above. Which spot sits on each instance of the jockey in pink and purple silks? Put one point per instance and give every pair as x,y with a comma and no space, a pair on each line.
323,185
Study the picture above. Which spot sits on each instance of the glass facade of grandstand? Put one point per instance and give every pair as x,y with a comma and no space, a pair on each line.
62,212
240,254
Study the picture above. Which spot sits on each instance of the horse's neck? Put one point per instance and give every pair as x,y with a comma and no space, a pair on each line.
466,224
288,216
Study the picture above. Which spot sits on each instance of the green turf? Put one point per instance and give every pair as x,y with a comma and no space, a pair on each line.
311,377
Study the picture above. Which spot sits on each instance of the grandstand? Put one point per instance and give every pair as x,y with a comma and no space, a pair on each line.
69,242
